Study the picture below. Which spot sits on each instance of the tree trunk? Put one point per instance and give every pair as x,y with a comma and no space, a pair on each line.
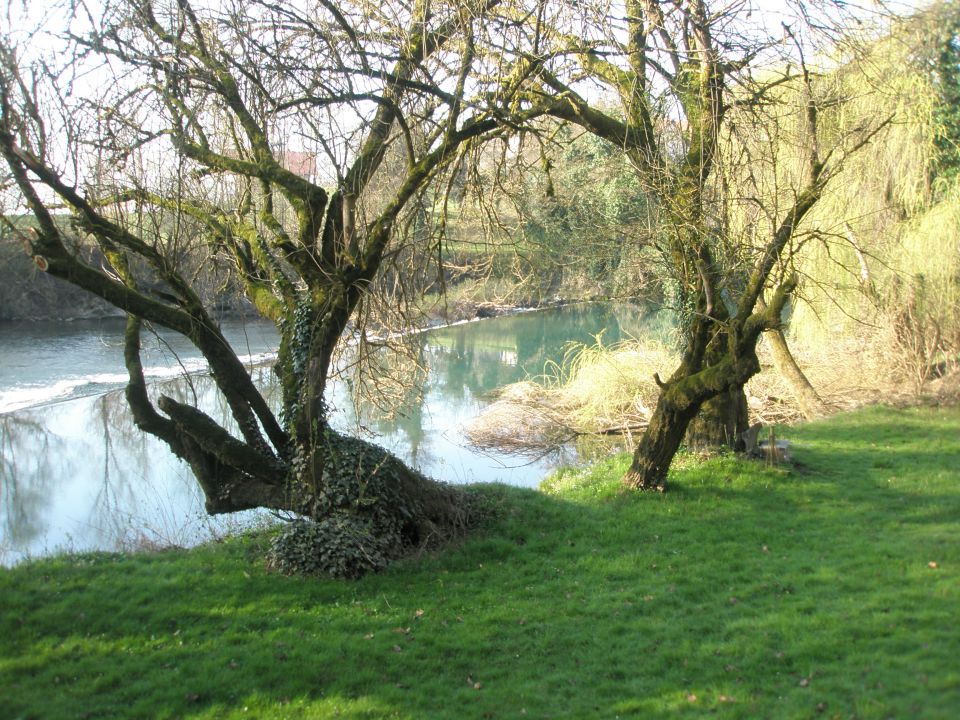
697,382
720,422
657,446
352,476
722,417
337,475
811,405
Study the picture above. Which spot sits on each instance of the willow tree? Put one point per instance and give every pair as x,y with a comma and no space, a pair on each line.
254,132
690,77
888,261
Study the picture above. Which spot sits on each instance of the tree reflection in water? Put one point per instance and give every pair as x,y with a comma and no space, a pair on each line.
25,477
78,475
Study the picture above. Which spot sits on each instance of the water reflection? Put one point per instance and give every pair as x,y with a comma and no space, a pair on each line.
24,478
79,475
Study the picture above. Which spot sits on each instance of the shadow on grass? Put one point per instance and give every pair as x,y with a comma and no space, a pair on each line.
749,591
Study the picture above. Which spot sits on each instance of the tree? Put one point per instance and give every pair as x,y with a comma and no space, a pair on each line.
946,71
884,267
580,207
701,91
197,144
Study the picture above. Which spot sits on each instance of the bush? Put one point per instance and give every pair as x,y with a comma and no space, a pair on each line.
340,545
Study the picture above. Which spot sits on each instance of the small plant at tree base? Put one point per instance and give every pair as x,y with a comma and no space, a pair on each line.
340,545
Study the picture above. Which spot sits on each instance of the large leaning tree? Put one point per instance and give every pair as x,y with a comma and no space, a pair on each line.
175,137
702,101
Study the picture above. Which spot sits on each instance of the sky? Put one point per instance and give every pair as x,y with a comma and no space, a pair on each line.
21,14
17,17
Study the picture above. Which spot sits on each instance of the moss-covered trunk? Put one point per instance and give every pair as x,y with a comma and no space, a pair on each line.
657,447
720,422
703,405
348,475
697,382
332,475
707,404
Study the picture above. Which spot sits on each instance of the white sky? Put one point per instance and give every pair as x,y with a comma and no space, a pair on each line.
19,15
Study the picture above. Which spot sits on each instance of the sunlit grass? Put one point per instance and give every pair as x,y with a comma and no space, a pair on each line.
826,589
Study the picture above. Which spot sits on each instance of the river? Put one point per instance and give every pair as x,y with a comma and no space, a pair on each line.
76,475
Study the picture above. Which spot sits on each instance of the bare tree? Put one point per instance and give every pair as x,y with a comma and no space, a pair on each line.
699,88
254,132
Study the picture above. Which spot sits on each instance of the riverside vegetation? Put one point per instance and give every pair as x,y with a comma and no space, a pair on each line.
327,206
828,588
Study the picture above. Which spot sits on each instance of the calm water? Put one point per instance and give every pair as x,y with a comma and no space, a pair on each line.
76,474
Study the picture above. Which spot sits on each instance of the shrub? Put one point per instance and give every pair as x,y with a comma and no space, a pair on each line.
340,545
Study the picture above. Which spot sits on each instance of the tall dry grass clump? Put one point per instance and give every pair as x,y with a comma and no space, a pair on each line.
595,389
600,390
604,390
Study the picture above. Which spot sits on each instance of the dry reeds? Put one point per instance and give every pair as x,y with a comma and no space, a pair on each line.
601,390
595,390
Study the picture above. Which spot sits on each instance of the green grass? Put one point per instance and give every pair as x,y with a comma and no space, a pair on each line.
746,591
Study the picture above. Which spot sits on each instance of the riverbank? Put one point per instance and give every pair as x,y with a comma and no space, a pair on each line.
83,478
471,290
829,587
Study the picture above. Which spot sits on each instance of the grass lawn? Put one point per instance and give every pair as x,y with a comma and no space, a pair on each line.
830,589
